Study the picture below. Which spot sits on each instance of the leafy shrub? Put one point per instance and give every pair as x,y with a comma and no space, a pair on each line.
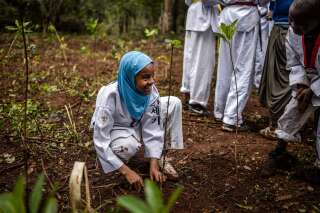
13,202
154,200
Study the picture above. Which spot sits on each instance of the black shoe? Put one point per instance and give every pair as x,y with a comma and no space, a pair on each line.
278,159
233,128
198,109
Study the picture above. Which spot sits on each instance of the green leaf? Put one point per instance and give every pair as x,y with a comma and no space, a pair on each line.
153,196
173,197
36,195
50,206
133,204
18,195
7,203
11,28
220,35
51,28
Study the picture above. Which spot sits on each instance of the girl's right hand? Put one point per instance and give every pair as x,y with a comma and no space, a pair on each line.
132,177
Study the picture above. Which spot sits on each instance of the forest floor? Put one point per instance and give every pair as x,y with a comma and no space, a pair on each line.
218,172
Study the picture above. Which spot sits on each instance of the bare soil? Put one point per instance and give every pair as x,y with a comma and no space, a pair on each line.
219,173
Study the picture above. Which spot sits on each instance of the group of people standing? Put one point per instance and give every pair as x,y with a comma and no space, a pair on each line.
285,66
275,48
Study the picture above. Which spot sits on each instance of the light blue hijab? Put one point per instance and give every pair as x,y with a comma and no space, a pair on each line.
131,64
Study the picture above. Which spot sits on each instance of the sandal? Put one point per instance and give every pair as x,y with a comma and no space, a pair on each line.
168,169
268,133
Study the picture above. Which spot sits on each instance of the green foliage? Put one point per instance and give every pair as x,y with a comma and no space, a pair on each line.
154,200
174,43
151,32
227,31
62,44
18,27
91,26
13,202
14,113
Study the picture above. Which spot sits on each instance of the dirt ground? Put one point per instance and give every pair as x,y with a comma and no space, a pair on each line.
219,173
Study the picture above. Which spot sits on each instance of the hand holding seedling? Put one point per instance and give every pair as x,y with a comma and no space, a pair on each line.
155,173
132,177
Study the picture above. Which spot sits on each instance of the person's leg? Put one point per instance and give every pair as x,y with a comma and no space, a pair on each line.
261,52
173,113
289,124
243,49
224,74
174,125
202,69
125,147
187,63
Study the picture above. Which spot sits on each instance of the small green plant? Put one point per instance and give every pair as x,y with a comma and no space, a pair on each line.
154,200
62,44
14,113
151,32
18,32
14,202
175,43
71,125
91,26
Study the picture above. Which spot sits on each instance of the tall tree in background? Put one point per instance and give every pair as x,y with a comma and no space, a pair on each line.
49,10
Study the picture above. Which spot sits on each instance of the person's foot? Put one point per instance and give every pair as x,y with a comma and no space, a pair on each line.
218,120
278,159
233,128
268,133
168,169
198,109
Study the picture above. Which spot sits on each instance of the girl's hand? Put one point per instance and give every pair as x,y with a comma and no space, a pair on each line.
155,174
132,177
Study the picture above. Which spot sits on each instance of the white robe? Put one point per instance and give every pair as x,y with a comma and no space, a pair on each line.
111,121
199,52
262,45
243,50
292,120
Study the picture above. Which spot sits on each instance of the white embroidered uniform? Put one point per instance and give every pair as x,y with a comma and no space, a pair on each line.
243,50
199,51
117,138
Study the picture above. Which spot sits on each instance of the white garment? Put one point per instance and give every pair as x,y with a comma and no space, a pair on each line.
262,45
199,52
292,120
112,122
244,46
198,65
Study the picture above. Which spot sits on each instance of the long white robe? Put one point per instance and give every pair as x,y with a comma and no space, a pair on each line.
199,52
292,120
243,48
262,45
112,121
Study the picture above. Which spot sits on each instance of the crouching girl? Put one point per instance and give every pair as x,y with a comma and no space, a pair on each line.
128,112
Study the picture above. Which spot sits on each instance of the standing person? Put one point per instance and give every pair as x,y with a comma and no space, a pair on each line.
199,54
243,51
129,111
262,44
274,91
303,61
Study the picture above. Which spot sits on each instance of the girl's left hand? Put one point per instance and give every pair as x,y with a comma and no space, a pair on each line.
155,174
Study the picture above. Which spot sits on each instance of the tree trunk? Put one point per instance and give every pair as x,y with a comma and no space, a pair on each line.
166,20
